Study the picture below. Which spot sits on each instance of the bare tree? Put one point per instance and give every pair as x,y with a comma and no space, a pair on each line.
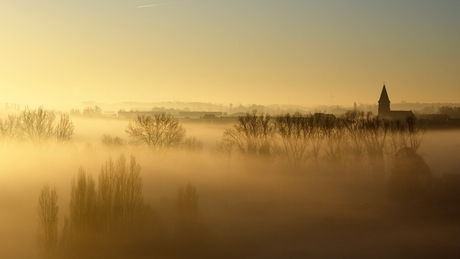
10,129
115,207
293,135
374,140
92,111
334,140
410,178
353,122
187,209
47,211
187,199
111,142
397,135
161,131
65,240
38,125
415,132
251,135
397,139
64,129
83,203
316,136
120,192
192,144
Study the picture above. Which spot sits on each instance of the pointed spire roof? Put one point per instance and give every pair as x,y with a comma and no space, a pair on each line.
384,95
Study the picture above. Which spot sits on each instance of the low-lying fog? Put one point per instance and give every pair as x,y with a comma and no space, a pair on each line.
246,208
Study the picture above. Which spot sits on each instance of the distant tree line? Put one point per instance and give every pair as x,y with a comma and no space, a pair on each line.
89,111
453,112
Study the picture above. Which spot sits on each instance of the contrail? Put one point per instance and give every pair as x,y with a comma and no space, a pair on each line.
154,5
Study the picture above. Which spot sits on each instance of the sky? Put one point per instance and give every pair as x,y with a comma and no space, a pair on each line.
298,52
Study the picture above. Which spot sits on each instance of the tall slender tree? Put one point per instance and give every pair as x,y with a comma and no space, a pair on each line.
47,210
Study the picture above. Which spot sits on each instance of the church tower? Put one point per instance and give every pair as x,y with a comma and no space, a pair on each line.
384,103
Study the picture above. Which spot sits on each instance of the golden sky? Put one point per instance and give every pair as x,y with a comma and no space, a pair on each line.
62,52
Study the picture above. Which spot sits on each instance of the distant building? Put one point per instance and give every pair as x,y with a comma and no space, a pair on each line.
386,112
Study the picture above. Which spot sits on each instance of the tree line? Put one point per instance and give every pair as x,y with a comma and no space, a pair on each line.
302,142
453,112
38,127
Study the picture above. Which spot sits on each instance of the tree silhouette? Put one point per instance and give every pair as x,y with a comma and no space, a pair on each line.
10,129
92,111
187,200
111,142
397,136
47,211
252,135
410,180
414,131
187,210
346,143
192,144
453,112
39,127
120,193
354,122
83,204
334,139
316,136
293,135
374,140
114,209
162,131
64,129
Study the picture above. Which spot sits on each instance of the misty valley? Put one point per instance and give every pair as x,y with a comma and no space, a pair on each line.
293,185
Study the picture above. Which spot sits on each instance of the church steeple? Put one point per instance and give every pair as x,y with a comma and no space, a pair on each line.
384,102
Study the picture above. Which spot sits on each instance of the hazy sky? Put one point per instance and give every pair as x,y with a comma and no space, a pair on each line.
229,51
